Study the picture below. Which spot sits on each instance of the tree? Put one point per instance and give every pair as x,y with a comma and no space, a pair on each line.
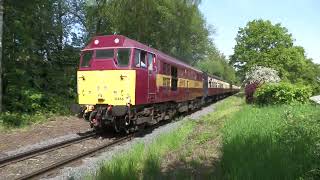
174,27
258,44
270,45
40,61
217,64
1,28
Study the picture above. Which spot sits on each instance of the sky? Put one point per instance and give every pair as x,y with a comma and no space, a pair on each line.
300,17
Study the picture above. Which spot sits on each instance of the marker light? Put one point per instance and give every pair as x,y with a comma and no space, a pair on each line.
96,42
116,40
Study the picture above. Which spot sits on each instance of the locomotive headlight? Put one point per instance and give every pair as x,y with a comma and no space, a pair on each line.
116,40
96,42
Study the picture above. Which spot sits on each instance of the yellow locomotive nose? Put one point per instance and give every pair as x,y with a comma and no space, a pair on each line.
106,87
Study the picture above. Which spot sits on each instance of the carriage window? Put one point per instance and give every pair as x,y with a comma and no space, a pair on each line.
86,57
105,54
174,76
123,56
166,68
140,58
150,62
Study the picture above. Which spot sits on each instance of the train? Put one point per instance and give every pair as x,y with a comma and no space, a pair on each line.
124,84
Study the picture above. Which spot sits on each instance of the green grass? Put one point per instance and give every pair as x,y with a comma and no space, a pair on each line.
197,158
273,142
144,161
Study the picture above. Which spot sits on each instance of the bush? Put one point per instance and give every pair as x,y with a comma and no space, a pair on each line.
257,76
282,93
13,120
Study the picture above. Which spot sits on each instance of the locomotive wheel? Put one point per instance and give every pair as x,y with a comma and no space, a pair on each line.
91,117
121,124
116,126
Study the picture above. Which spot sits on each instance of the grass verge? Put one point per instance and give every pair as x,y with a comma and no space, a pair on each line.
199,157
148,161
272,142
143,161
236,141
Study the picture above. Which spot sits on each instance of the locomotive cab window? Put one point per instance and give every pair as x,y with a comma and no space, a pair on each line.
150,61
123,56
174,81
140,58
86,57
104,54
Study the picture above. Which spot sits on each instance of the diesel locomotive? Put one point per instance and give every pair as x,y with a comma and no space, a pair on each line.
125,84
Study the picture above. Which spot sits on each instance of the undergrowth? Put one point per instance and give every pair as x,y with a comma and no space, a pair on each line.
56,107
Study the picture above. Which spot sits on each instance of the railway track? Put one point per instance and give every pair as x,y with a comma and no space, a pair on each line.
61,163
38,151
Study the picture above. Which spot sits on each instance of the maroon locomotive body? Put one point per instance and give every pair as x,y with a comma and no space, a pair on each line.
124,83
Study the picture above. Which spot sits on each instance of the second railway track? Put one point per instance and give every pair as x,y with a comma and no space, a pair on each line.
31,164
41,171
38,151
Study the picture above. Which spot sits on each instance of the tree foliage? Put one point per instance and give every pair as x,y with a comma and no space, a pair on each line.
174,27
37,54
42,40
217,64
271,45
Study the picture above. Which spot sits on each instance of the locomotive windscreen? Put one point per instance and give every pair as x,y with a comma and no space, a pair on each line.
105,54
123,57
86,57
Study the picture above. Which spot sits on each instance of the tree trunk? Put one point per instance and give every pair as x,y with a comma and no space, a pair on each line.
60,26
1,30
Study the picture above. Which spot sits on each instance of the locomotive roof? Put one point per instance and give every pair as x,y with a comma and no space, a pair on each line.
116,41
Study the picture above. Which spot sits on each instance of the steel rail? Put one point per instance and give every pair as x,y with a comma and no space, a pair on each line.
38,151
73,158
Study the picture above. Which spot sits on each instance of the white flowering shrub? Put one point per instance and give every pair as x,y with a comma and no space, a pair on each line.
261,75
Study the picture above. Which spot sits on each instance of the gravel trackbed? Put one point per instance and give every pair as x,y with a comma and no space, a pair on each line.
91,165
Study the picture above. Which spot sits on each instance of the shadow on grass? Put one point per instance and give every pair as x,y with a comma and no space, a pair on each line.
193,169
258,157
152,170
